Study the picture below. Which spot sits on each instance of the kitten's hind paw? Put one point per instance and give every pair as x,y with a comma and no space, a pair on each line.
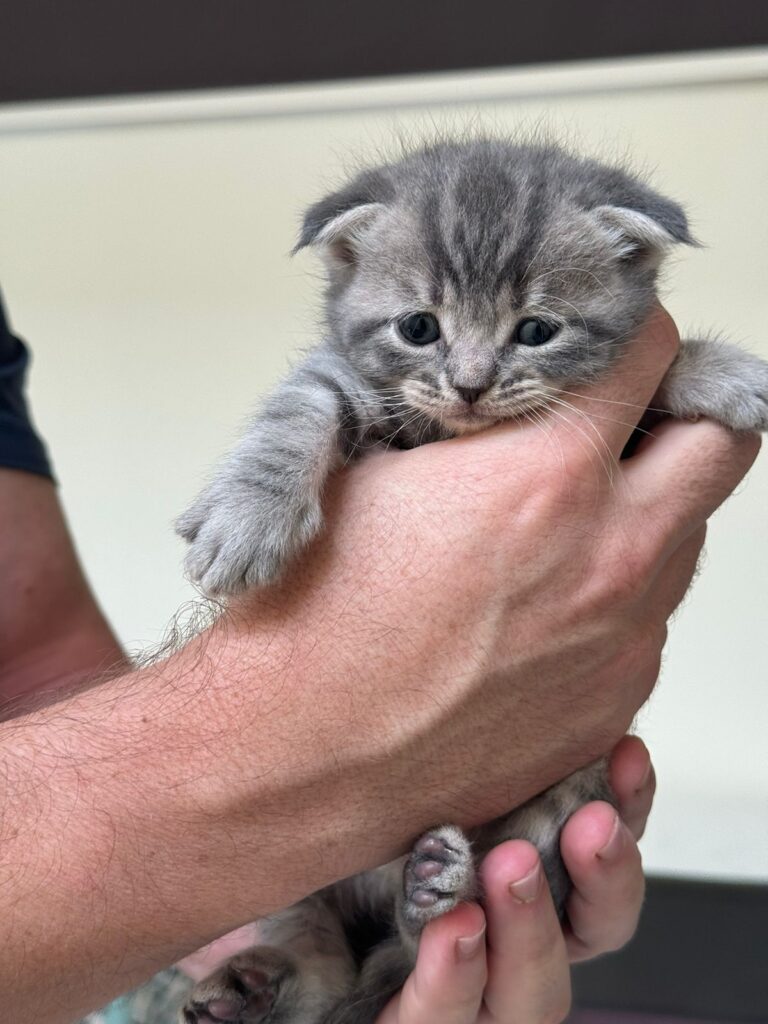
439,874
243,991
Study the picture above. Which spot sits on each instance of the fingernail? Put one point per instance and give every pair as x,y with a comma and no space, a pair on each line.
615,843
468,946
525,890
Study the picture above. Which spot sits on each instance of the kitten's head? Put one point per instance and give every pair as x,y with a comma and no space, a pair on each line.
474,281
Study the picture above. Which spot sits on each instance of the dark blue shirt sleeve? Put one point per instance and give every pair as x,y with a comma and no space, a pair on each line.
20,446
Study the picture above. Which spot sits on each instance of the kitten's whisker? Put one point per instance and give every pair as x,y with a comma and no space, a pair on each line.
533,416
581,270
397,415
387,441
605,419
557,318
608,401
605,466
609,463
583,416
577,311
533,259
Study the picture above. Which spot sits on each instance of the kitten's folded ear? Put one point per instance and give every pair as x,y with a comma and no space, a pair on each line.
336,223
647,230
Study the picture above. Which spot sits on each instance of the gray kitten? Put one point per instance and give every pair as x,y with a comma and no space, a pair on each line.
468,282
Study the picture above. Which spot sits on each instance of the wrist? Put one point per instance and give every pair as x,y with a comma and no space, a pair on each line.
288,753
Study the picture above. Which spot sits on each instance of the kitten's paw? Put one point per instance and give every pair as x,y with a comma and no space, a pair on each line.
241,537
752,412
244,991
719,381
742,403
439,874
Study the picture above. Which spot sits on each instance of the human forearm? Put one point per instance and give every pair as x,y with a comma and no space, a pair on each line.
52,632
129,838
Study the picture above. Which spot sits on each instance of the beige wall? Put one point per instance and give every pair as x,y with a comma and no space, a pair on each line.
147,265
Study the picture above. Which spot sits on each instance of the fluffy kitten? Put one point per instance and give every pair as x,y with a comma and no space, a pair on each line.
468,282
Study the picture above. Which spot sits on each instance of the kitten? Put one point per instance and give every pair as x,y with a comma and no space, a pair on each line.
468,282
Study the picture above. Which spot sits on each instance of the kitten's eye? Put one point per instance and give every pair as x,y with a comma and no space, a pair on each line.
534,332
419,328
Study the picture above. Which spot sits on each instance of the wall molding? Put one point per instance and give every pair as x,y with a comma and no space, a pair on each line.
412,91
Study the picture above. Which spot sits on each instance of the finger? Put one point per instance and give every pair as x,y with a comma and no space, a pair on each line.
528,974
448,980
603,860
615,405
681,476
633,781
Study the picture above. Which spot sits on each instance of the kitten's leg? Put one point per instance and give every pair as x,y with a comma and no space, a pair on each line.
264,504
541,821
438,875
714,379
302,971
384,973
366,902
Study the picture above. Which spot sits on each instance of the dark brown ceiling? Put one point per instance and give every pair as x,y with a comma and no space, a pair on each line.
66,48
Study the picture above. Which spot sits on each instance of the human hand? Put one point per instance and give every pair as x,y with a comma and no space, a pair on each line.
512,964
466,593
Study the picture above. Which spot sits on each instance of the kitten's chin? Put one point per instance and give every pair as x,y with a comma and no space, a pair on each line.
468,426
474,420
469,422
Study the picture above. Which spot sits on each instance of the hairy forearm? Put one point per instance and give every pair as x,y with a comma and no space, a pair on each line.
52,632
139,822
145,817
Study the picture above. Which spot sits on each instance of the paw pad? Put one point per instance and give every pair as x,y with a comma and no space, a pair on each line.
439,874
241,992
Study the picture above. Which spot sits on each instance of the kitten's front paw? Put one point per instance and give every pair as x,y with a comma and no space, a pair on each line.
241,538
753,411
243,991
439,874
743,400
719,381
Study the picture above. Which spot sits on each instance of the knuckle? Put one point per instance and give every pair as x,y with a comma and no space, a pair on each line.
725,455
748,447
619,936
620,574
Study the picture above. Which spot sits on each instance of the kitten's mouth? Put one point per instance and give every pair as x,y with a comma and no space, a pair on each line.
470,415
468,418
462,417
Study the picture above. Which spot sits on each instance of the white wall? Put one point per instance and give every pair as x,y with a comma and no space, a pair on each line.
146,262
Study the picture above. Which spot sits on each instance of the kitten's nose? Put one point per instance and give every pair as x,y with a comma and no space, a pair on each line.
470,395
